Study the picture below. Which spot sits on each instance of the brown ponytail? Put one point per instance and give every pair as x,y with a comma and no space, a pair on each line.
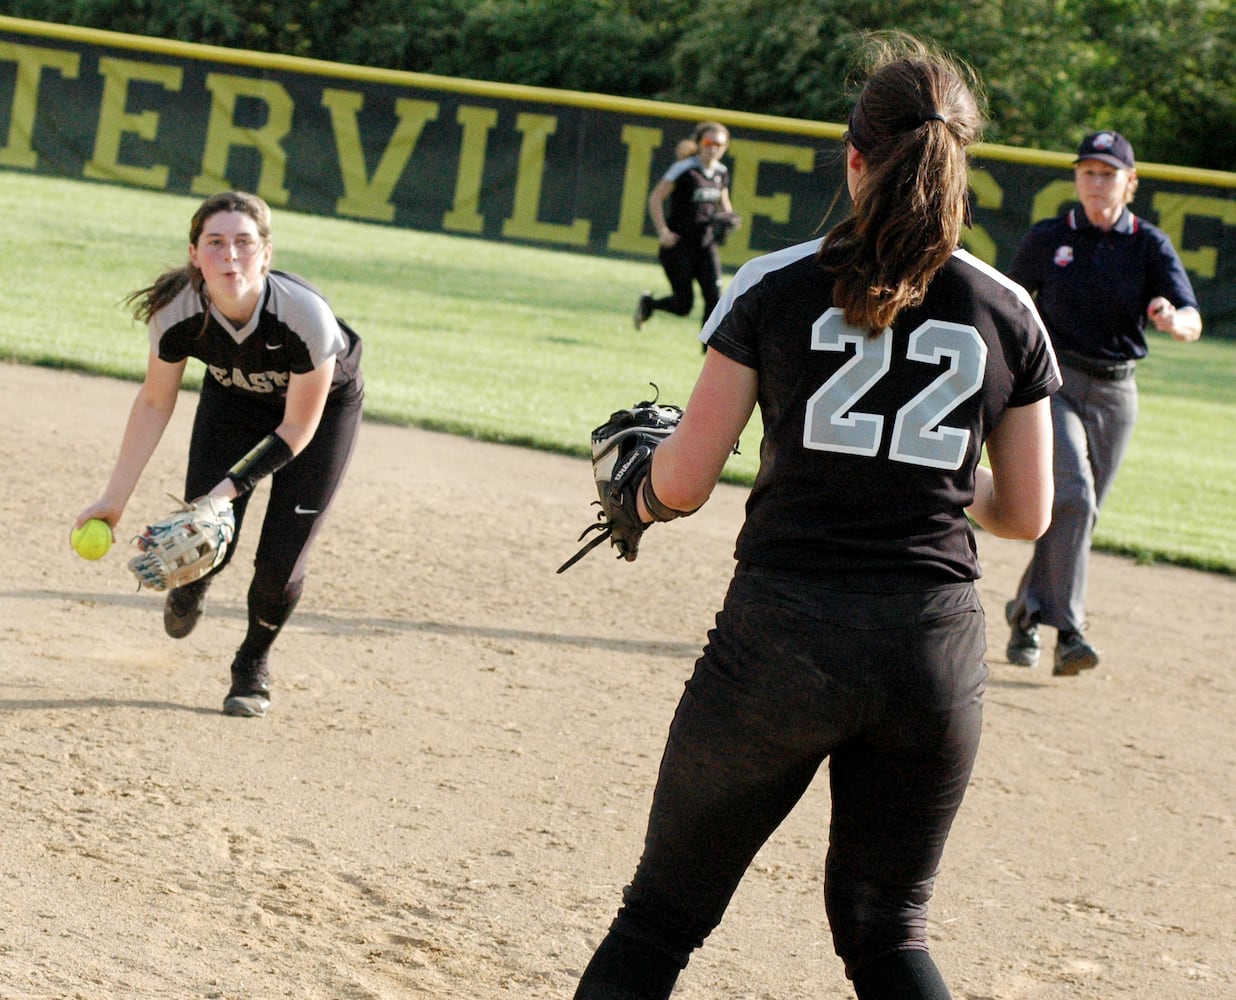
913,119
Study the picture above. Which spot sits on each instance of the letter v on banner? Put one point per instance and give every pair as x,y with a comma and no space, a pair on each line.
370,197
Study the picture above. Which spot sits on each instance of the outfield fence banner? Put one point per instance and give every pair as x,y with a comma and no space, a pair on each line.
559,169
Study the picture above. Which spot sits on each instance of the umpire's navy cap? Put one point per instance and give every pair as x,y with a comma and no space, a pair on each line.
1109,147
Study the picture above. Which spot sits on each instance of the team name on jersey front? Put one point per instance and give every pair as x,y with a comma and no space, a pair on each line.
260,382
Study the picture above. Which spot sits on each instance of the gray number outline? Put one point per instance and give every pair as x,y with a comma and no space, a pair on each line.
920,436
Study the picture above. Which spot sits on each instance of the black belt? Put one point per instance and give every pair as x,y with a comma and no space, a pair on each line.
1111,371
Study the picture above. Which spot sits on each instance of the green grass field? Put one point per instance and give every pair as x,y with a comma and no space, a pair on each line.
534,347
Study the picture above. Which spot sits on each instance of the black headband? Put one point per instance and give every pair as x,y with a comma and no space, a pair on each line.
858,134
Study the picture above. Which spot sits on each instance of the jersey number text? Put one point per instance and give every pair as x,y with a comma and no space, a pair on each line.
920,436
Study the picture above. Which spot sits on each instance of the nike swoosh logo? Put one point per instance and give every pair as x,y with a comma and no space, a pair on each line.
301,510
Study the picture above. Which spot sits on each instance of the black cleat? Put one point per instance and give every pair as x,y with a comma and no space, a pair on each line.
1073,655
643,309
183,608
1024,646
250,692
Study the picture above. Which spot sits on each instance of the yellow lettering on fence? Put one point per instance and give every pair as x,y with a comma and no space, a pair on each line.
115,122
18,149
987,194
629,237
523,223
465,216
1049,202
1174,210
370,197
222,133
748,156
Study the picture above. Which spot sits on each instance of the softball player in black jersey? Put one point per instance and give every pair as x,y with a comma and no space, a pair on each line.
883,359
695,188
281,396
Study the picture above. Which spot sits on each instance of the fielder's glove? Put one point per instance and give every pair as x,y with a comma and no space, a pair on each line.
622,450
723,223
184,546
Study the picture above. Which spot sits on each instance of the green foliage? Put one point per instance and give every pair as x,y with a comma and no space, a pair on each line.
1165,76
1033,84
215,22
395,34
786,58
565,44
796,58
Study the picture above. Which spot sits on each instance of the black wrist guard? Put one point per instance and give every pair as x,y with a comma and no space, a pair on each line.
269,455
656,508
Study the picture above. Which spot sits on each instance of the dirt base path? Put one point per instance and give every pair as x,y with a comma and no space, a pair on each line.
450,790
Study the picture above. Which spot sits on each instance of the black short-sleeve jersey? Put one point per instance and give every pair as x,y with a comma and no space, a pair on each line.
695,198
1092,286
293,331
870,443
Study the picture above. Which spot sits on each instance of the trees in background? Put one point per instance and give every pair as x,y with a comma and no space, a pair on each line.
1160,71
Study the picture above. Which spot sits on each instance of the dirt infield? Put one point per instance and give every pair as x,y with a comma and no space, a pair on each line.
450,791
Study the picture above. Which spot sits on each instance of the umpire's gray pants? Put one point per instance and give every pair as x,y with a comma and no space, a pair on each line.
1092,421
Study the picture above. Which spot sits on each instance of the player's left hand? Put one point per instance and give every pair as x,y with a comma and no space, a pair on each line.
622,450
184,546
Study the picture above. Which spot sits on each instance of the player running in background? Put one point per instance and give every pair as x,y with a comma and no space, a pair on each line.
696,191
1097,273
882,358
281,394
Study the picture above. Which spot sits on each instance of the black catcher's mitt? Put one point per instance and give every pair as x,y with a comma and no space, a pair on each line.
622,450
723,223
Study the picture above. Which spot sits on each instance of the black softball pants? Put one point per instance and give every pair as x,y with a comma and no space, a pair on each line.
889,688
685,265
225,427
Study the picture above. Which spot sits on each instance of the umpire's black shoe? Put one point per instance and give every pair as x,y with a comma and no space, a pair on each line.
250,692
643,309
1024,646
183,608
1073,655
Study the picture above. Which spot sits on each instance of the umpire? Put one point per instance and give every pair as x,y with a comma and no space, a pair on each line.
1097,273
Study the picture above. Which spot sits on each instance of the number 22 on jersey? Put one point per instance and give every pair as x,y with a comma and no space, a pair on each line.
921,435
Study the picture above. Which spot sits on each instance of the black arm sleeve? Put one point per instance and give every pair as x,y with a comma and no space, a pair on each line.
269,455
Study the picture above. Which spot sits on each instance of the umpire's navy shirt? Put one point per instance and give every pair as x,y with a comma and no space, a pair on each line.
1092,286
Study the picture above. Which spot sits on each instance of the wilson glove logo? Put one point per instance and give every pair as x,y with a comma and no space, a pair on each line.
637,457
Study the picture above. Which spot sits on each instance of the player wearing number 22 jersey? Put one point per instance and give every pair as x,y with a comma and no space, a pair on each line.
870,442
851,629
882,359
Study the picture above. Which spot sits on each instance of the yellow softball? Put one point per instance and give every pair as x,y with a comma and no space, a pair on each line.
92,539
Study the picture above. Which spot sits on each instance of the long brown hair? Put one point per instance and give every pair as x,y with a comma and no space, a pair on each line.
145,302
915,115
